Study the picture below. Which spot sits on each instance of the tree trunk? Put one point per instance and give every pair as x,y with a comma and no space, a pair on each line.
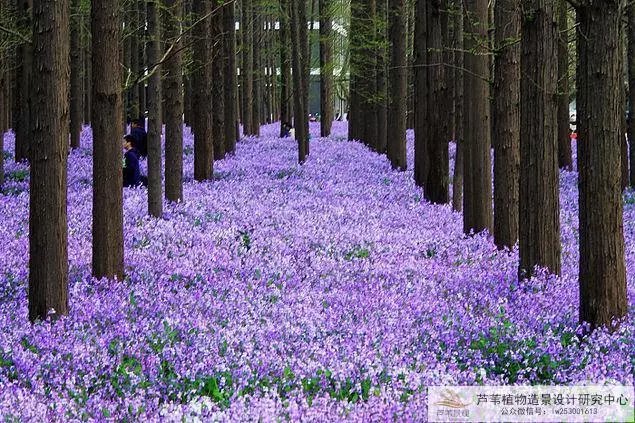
107,170
202,104
396,145
48,229
603,295
23,94
565,160
539,203
631,89
436,188
298,50
477,169
134,63
305,56
77,96
155,167
506,122
285,65
173,92
326,67
218,73
248,67
357,41
143,62
382,72
369,105
421,118
88,79
457,180
231,83
257,70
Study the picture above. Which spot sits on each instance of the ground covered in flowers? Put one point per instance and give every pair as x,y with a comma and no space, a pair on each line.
329,291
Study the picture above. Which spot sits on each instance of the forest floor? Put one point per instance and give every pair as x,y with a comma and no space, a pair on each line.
328,291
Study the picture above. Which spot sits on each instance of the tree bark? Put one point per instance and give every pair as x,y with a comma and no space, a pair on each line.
357,41
155,166
565,160
631,89
218,77
143,62
202,105
257,73
248,67
326,67
77,96
107,170
396,144
134,63
382,73
602,273
48,231
477,169
88,79
298,50
285,65
23,94
539,203
457,180
173,92
506,122
231,82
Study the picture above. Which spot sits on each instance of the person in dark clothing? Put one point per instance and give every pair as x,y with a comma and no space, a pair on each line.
286,129
138,132
131,173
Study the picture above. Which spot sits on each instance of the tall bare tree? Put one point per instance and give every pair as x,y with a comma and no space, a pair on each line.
155,121
397,93
48,229
326,67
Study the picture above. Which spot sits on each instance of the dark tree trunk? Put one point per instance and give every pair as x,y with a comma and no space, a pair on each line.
477,169
457,180
631,89
107,170
77,96
369,104
202,104
565,160
356,115
305,56
506,122
23,93
603,295
218,77
382,72
421,71
155,120
173,93
231,82
396,145
436,188
247,77
539,203
256,113
285,65
326,67
48,229
298,51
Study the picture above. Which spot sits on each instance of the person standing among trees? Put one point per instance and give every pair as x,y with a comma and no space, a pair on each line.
131,172
140,136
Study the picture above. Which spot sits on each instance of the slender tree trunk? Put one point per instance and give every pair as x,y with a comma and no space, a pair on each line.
477,169
539,203
565,160
457,180
77,96
506,122
48,254
173,90
88,78
436,181
305,56
202,105
603,295
421,118
396,145
143,62
134,112
326,67
23,94
218,76
285,65
631,89
297,52
155,119
369,104
356,115
231,82
382,73
257,70
107,170
248,67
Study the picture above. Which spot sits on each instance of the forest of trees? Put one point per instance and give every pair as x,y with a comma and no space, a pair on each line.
485,75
